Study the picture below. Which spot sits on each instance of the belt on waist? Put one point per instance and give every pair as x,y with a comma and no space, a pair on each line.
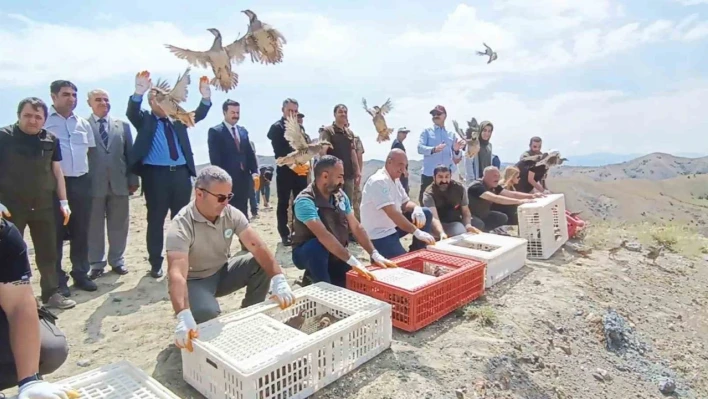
171,168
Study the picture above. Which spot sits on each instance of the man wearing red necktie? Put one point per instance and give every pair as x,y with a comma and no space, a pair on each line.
230,149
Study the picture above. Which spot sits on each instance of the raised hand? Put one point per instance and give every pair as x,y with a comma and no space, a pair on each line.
204,87
143,83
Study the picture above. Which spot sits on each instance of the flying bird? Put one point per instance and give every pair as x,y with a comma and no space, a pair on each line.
304,151
169,99
379,122
548,159
470,136
489,52
654,253
218,57
263,42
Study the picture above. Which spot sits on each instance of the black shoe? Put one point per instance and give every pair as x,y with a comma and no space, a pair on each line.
95,273
156,273
122,270
287,241
85,284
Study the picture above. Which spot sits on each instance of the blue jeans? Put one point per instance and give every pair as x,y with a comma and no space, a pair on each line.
390,246
314,258
265,191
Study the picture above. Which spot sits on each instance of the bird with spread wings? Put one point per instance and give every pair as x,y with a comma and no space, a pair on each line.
488,52
470,136
263,42
169,99
303,151
218,57
548,159
378,117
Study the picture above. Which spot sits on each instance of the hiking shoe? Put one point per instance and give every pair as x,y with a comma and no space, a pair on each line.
59,301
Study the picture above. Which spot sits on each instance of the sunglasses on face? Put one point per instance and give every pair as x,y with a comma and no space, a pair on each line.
220,198
437,113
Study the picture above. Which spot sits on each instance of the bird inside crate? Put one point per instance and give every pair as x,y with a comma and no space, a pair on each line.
310,325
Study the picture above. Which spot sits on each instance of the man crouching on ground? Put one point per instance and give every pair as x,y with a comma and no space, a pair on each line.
323,220
447,201
387,211
199,265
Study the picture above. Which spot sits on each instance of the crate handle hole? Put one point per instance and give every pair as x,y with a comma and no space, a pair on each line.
212,364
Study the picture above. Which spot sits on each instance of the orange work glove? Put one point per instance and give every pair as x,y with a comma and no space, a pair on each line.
256,183
301,170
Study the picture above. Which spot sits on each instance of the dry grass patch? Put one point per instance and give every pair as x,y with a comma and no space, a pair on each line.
675,237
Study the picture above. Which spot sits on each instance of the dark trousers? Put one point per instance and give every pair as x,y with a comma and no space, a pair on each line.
390,246
43,230
425,181
52,353
319,264
252,196
241,190
167,188
78,192
510,211
287,182
489,222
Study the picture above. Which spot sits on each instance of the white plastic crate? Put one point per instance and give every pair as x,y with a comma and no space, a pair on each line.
542,223
252,353
403,278
121,380
504,255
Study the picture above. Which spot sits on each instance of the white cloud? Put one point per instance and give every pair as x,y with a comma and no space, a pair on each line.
588,9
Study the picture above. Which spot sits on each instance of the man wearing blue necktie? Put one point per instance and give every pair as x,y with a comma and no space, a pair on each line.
162,157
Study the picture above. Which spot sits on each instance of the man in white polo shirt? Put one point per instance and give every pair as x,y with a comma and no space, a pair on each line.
387,213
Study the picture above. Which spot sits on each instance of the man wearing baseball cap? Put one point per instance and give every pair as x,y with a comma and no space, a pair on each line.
398,143
438,147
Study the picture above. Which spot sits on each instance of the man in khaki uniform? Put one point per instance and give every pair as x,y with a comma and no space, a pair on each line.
199,265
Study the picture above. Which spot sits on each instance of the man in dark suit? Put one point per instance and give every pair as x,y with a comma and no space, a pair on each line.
230,149
288,181
162,157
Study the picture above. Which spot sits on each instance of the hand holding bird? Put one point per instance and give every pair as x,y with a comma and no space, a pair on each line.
142,82
204,88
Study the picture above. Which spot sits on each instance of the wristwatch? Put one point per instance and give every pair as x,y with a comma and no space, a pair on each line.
33,377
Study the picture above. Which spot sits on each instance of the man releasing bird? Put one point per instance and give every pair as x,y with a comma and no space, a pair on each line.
489,52
379,122
263,42
304,151
218,57
470,136
169,99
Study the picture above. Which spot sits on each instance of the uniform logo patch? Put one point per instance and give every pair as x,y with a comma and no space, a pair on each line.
228,233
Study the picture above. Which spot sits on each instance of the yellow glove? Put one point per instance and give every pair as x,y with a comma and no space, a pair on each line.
301,170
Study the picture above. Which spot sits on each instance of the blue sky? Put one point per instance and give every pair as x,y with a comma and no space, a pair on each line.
586,75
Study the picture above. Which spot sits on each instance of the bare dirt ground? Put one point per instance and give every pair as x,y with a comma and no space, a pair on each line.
571,327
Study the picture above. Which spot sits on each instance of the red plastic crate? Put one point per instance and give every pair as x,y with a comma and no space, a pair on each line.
461,283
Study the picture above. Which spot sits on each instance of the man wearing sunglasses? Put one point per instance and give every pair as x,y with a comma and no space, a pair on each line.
199,263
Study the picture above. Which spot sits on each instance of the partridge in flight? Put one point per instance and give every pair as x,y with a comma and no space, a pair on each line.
378,117
169,99
470,136
218,57
304,151
488,52
263,42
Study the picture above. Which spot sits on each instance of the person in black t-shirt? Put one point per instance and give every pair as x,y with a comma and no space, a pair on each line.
484,192
266,172
532,177
30,343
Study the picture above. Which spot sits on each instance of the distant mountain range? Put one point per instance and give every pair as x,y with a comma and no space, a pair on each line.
602,158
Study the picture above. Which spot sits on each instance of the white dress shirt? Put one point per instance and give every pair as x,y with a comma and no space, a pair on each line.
381,190
75,138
